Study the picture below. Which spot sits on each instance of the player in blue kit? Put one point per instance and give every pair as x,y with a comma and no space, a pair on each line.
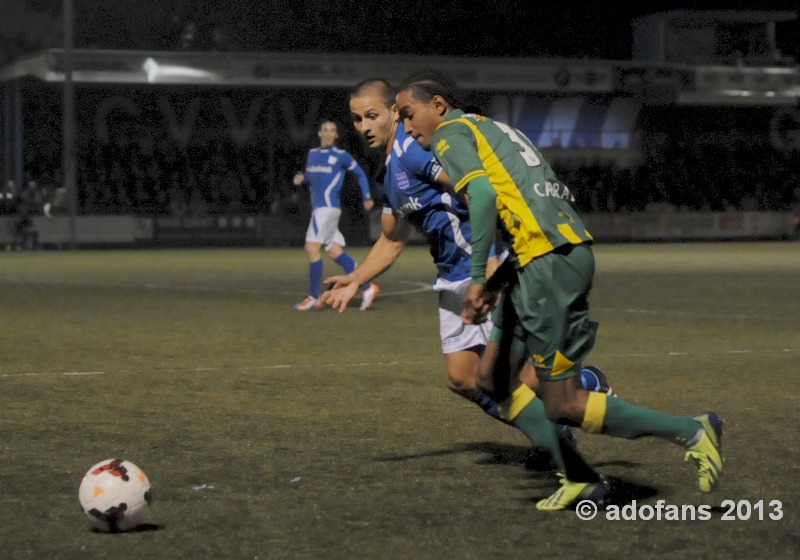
414,195
325,171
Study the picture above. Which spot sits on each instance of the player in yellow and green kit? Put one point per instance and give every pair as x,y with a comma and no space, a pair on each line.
511,187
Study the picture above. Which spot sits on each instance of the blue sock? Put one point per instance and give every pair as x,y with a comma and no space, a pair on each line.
488,405
349,265
315,278
346,262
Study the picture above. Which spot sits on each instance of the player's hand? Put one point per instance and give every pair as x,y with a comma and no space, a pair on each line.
298,179
477,305
368,204
341,290
491,298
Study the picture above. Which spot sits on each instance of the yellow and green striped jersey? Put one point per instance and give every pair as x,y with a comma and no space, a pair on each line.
535,208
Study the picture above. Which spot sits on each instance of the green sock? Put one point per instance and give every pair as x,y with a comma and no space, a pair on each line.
618,418
532,421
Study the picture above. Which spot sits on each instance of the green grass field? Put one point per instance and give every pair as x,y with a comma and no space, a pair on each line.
269,433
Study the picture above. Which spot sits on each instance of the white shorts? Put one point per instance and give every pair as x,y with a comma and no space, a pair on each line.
457,336
324,227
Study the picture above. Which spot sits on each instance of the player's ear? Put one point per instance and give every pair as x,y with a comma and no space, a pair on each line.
439,105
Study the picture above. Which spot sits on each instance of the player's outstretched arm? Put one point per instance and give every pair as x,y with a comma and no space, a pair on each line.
342,289
380,258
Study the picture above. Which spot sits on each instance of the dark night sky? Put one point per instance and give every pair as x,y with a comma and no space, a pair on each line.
513,28
450,27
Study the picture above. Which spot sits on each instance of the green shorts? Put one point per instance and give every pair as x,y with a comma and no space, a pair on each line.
507,331
545,312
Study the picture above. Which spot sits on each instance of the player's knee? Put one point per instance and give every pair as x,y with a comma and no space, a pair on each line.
334,251
313,252
460,384
461,369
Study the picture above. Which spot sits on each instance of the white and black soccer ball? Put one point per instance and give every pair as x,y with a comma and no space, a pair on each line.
115,495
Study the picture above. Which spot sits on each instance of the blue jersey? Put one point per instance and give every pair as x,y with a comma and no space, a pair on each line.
325,171
409,189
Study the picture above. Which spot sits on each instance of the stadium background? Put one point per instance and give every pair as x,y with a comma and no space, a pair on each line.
274,434
198,143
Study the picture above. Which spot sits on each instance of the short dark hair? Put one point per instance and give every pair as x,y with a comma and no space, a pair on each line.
328,120
425,85
380,85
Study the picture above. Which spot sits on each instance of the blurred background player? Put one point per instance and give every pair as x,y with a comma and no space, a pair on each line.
414,193
29,203
325,171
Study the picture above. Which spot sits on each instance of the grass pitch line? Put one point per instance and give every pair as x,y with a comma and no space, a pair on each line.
693,315
299,366
38,374
220,369
707,352
416,287
359,364
419,288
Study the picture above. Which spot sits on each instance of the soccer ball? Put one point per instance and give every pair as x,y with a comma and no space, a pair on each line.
115,495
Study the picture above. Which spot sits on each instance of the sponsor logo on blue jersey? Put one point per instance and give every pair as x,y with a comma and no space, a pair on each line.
402,181
319,169
411,206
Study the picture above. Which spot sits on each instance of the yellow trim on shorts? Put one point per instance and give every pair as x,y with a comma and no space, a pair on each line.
514,405
595,414
561,364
